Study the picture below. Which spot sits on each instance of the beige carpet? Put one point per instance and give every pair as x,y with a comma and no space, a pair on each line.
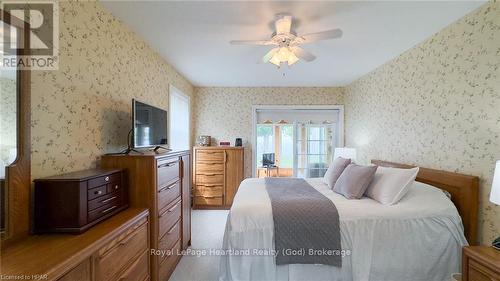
207,233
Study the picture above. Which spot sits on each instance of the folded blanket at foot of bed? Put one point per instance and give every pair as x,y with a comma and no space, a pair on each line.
306,223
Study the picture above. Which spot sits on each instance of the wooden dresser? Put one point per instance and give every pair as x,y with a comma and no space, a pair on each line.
115,249
161,183
480,263
217,174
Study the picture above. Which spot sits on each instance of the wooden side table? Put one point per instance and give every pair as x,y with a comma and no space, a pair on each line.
480,263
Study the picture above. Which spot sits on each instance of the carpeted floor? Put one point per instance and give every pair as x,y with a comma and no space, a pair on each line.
207,233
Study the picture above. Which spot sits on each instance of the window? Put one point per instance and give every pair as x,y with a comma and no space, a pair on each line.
302,140
179,119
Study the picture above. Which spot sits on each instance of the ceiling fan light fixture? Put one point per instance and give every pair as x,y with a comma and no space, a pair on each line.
275,60
284,55
292,59
287,43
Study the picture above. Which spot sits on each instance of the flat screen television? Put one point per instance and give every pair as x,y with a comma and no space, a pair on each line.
149,125
268,159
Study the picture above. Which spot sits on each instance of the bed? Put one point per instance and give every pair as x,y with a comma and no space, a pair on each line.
420,238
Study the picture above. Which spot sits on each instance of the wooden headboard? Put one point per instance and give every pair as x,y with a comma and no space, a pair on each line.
464,190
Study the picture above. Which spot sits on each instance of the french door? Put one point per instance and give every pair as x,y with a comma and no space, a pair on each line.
300,142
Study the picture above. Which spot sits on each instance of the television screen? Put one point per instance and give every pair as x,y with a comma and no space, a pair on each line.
150,125
268,159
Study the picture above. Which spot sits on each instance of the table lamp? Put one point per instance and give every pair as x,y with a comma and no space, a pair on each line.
345,152
495,197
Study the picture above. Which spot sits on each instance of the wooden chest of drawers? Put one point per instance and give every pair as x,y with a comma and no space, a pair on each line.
162,183
115,249
76,201
218,172
480,263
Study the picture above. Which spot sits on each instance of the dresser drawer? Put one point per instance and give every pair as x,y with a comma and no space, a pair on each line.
168,217
112,187
96,192
209,190
208,200
478,272
104,210
168,194
210,156
173,234
168,171
81,272
119,253
138,271
210,179
104,180
211,168
111,198
168,263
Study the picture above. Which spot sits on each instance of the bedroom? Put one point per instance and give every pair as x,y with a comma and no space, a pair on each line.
390,87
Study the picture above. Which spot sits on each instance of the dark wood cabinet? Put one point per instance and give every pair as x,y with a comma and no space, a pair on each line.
76,201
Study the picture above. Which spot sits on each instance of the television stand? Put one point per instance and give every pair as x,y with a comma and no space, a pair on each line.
158,147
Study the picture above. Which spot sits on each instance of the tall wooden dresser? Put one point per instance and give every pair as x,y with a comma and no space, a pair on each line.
162,183
218,172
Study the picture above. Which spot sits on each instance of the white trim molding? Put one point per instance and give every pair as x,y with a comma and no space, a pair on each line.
175,91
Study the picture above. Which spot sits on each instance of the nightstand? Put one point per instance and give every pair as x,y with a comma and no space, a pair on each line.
480,263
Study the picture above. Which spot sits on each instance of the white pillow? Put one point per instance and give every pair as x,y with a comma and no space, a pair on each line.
389,185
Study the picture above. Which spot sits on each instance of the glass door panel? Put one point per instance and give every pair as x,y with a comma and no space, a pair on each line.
315,144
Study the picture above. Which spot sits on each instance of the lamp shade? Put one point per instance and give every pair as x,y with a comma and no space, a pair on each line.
345,152
495,187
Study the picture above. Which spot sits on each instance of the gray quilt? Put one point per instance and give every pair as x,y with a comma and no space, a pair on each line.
306,223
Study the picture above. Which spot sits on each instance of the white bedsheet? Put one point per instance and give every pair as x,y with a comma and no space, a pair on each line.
418,239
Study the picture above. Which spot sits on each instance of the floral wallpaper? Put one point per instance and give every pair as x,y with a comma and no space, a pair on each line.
82,110
8,129
437,105
226,113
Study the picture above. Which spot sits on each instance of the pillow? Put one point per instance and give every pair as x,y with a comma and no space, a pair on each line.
389,185
354,180
335,170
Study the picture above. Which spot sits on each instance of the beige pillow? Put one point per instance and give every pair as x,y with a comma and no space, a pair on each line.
335,170
389,185
354,181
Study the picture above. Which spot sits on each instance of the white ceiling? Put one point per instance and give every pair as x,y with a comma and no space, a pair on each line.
194,36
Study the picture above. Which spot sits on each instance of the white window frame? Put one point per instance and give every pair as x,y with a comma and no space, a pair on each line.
176,92
256,108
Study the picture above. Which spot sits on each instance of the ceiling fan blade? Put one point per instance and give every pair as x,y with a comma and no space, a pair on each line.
303,54
269,55
324,35
252,42
283,25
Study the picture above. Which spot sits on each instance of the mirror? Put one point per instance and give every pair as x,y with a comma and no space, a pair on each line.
15,116
8,132
8,122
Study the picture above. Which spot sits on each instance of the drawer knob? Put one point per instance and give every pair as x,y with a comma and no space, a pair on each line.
98,192
106,178
116,187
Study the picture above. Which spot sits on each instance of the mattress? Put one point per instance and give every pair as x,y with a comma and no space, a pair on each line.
419,238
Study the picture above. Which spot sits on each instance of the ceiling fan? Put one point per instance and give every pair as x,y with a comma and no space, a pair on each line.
288,43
